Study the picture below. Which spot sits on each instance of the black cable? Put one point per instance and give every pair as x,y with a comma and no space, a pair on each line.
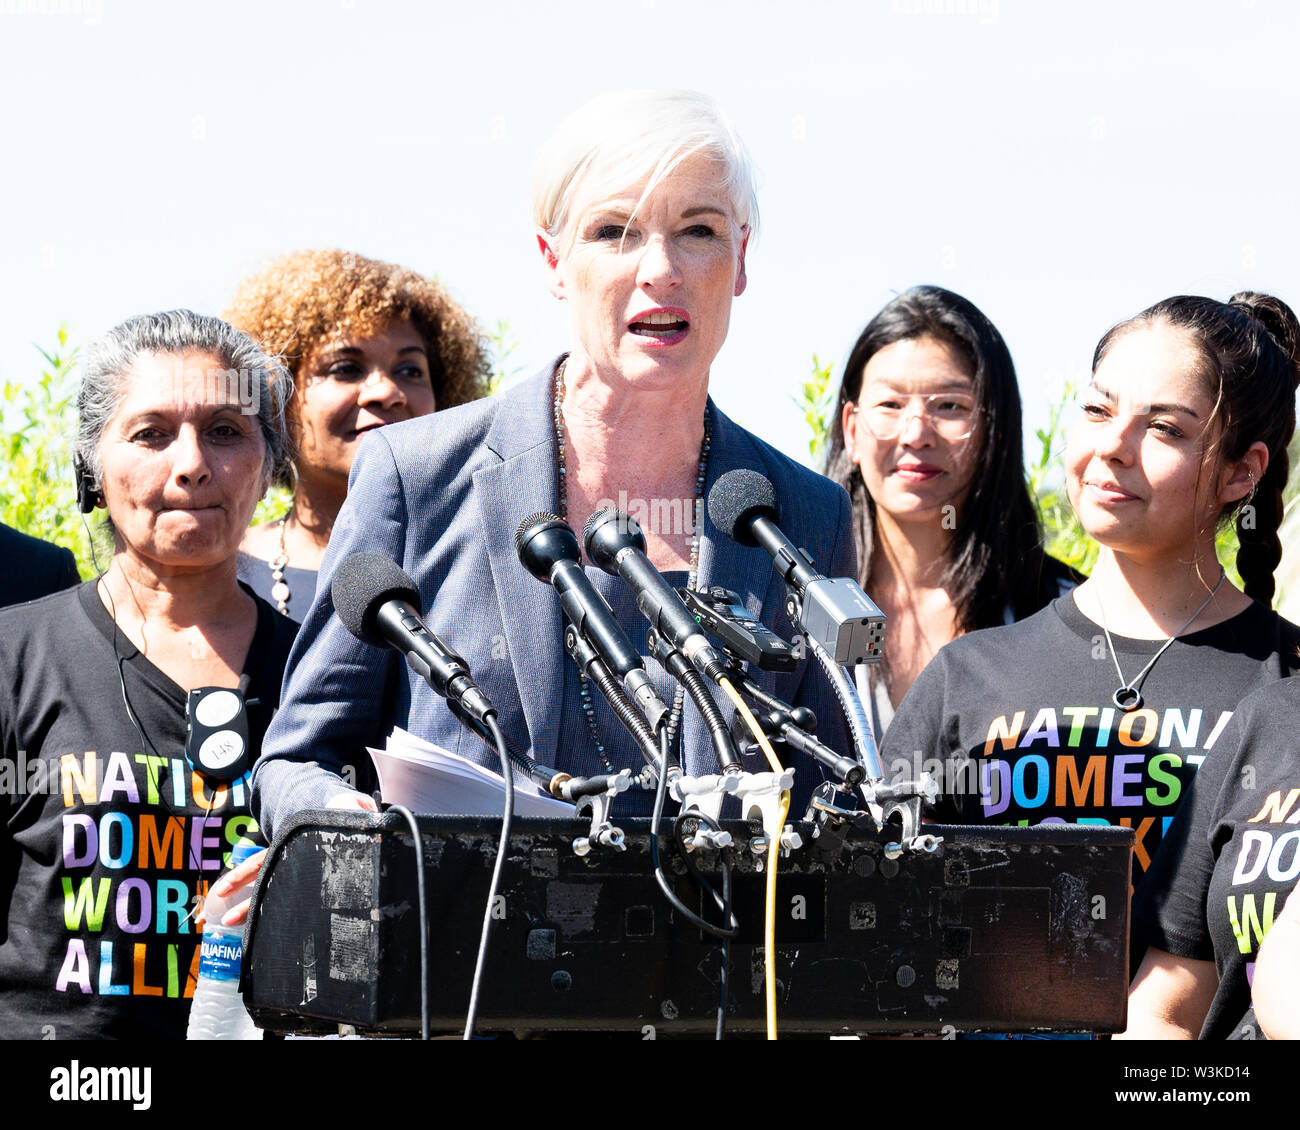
507,775
724,903
720,1028
552,782
130,712
527,766
661,791
540,775
135,722
723,983
424,917
703,818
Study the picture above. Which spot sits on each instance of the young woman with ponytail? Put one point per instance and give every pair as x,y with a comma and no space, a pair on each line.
1232,856
1101,707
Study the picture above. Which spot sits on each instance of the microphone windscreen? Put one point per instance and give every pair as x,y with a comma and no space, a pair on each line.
607,533
362,584
530,525
737,498
594,519
542,541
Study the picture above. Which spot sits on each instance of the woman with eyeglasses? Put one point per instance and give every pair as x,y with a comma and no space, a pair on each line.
926,440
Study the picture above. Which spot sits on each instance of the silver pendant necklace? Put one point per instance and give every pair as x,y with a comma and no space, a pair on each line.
1128,696
279,563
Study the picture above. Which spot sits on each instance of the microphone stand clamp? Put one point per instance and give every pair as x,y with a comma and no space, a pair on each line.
760,799
705,793
833,812
905,800
603,833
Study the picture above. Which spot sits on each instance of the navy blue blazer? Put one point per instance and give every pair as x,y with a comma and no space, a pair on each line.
442,496
31,568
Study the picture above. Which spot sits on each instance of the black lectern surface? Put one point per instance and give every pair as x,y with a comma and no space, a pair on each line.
1000,929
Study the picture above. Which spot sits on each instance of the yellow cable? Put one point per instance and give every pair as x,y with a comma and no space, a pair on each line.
773,847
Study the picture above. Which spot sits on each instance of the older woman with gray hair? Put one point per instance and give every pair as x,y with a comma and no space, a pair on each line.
644,205
132,706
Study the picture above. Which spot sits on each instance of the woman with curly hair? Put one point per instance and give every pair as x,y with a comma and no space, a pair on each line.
368,344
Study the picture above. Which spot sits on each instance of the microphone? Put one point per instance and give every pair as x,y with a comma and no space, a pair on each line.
616,544
835,613
379,604
548,548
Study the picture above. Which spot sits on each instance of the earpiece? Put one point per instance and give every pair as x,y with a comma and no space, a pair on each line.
88,492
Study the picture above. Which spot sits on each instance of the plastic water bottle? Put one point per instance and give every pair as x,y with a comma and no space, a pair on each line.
217,1011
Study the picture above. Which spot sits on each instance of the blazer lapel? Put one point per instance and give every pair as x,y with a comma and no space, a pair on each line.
521,484
746,571
743,569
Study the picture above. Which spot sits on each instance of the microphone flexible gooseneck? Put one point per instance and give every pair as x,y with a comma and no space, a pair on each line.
615,543
548,548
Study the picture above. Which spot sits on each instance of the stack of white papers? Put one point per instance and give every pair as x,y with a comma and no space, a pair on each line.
436,782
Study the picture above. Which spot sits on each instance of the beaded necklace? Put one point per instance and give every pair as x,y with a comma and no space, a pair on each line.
588,706
279,586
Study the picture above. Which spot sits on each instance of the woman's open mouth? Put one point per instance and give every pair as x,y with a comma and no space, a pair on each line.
666,327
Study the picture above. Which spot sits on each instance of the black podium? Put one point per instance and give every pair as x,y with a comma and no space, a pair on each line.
999,929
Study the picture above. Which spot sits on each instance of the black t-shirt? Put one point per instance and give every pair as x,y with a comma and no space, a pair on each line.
1018,724
1232,856
106,838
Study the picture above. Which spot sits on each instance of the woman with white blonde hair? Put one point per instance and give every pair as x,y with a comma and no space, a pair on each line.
644,206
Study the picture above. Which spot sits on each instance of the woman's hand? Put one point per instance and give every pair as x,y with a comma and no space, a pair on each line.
232,883
1276,988
241,879
352,799
1170,997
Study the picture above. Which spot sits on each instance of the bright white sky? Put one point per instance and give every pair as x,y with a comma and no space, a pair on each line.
1061,165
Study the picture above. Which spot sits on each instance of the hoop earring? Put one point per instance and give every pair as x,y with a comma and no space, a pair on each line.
1250,494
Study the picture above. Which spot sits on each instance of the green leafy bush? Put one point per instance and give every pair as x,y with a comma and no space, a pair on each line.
37,495
815,399
1063,536
504,344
